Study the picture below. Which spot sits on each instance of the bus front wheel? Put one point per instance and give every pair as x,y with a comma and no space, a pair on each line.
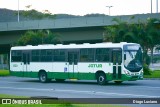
101,79
43,77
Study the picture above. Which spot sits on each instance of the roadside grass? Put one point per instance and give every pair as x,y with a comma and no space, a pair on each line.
11,96
53,105
154,74
4,73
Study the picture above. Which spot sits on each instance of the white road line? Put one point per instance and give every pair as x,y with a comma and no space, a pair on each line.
85,92
74,91
35,89
6,82
146,87
143,86
133,95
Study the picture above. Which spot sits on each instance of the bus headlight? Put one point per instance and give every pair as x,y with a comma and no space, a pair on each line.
126,72
141,73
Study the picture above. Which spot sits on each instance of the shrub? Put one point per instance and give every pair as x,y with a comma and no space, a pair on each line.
146,70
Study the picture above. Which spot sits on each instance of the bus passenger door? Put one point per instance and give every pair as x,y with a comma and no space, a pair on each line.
73,64
117,60
26,63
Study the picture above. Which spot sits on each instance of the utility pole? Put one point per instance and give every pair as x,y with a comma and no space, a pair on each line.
151,6
157,6
109,8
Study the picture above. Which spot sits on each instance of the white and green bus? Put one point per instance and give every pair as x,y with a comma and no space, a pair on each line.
103,62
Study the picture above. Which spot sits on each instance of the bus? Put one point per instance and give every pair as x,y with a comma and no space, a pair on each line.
102,62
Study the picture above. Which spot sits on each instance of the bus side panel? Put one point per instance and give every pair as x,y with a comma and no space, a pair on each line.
85,71
106,67
59,71
35,67
16,69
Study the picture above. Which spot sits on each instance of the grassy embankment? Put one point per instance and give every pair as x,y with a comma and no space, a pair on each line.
154,74
4,72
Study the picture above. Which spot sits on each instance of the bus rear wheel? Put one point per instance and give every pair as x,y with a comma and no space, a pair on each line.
43,77
101,79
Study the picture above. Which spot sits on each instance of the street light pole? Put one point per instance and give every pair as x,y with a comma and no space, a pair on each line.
18,10
109,8
151,6
157,6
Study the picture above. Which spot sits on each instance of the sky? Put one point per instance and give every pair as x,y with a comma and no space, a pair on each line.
82,7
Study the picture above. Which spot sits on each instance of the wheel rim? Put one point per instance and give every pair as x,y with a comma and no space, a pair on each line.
101,78
43,77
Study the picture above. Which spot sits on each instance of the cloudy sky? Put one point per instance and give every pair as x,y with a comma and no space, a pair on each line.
82,7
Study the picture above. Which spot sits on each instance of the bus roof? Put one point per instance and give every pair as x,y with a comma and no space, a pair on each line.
73,46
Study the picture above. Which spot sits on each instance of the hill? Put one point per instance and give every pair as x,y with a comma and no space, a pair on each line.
7,15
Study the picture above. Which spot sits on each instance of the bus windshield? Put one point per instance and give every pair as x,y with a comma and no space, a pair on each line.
133,60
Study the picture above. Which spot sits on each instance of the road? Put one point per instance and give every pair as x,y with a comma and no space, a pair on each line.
81,89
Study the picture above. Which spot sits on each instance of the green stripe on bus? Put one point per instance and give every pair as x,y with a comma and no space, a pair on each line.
66,75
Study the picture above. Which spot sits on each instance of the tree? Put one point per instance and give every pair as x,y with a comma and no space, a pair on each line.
120,32
153,34
34,14
38,37
147,34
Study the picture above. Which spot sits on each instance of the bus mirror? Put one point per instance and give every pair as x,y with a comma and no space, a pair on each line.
124,56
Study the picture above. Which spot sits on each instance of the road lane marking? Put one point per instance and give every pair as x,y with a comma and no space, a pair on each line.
34,89
134,95
85,92
144,86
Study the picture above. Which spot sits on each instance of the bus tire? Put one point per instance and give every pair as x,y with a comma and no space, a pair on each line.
43,77
118,82
101,79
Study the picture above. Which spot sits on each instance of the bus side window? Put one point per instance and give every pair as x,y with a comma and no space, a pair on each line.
16,56
86,55
59,55
35,55
83,58
102,55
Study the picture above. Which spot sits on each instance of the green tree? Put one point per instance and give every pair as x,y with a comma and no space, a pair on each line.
34,14
147,34
153,34
120,32
38,37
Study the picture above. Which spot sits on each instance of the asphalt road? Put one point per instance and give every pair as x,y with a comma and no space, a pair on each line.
79,89
82,89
